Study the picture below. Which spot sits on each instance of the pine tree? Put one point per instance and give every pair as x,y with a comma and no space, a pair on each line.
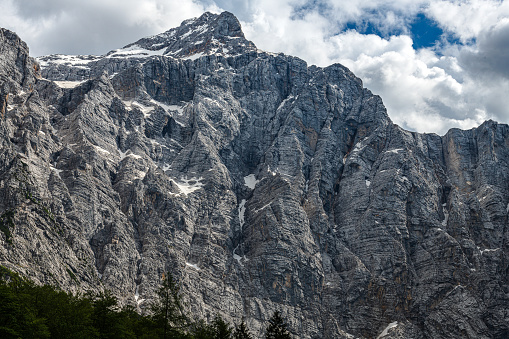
18,313
168,311
277,328
241,331
67,315
222,330
107,318
201,330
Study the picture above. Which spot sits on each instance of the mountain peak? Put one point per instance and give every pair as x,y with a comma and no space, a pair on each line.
210,33
224,24
227,24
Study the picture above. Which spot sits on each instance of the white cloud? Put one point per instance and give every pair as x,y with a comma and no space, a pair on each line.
92,26
468,19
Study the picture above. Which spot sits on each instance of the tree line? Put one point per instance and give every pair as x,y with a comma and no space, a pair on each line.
28,310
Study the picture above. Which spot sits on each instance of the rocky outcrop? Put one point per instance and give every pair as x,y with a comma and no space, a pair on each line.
261,182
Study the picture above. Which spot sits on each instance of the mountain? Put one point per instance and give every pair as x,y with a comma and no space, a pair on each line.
260,182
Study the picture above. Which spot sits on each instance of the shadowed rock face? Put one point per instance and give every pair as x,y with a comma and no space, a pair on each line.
261,182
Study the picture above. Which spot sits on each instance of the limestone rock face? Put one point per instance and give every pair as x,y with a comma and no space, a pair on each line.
260,182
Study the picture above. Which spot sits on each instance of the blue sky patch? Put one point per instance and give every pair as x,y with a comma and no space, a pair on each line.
368,27
425,32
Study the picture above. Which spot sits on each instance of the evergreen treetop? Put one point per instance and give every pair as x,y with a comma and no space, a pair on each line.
241,331
277,328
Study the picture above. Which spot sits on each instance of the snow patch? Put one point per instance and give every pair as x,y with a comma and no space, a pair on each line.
135,51
387,329
488,249
250,181
507,209
101,150
198,29
154,142
396,150
178,122
128,153
270,171
212,100
193,266
68,84
237,257
144,109
446,217
137,296
368,183
242,211
179,109
166,107
264,207
56,170
358,147
175,52
193,56
188,186
139,174
74,60
290,97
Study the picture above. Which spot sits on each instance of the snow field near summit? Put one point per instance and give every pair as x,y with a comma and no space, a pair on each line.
188,186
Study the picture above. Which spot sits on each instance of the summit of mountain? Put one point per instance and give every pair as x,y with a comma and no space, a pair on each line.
210,33
218,34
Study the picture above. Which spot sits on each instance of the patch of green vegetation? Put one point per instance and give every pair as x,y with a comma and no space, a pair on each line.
31,311
72,275
6,224
48,213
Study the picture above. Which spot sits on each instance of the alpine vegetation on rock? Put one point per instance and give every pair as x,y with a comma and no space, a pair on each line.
261,183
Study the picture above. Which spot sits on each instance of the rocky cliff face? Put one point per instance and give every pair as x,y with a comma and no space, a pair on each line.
260,182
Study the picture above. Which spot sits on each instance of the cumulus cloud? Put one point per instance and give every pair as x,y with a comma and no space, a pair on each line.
459,82
467,19
490,58
92,26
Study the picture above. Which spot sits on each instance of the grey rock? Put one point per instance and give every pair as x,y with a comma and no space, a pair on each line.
260,182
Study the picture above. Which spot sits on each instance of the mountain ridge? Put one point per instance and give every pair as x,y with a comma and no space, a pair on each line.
261,182
208,34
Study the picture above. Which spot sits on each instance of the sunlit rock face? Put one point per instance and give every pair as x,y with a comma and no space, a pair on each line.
260,182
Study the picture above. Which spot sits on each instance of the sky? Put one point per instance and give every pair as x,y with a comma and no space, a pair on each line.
437,64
